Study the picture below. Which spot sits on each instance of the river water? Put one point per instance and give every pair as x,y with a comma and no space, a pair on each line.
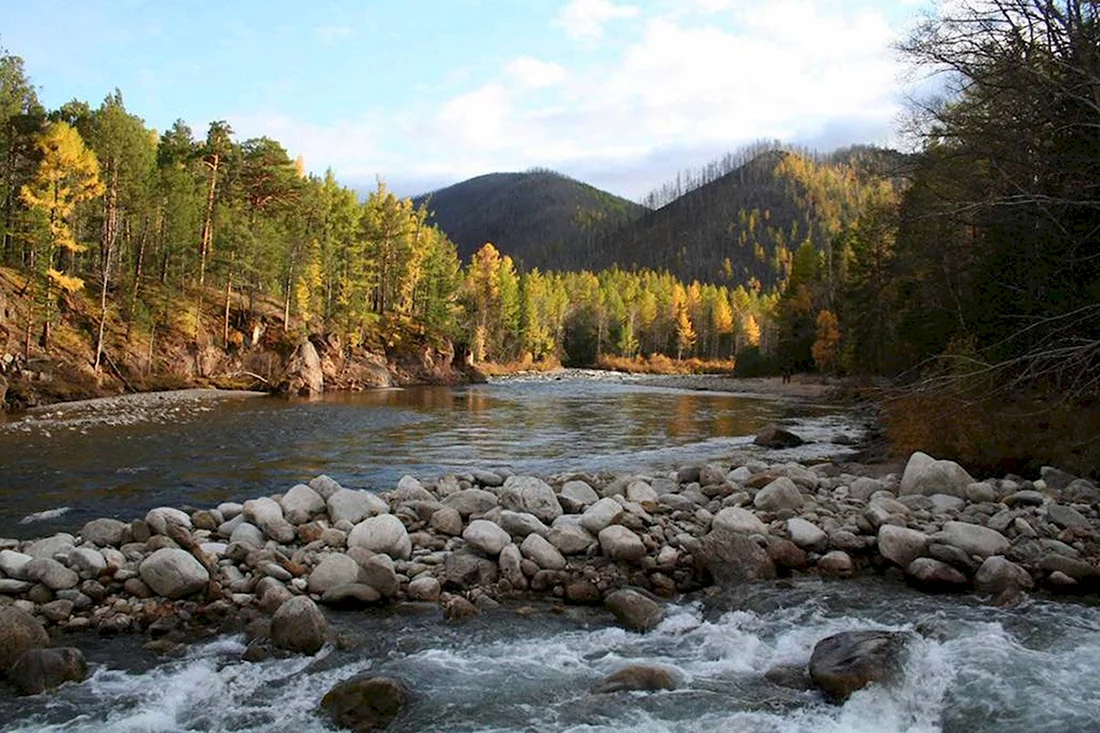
971,668
62,467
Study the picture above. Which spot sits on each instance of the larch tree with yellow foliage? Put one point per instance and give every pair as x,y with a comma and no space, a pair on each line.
827,340
67,175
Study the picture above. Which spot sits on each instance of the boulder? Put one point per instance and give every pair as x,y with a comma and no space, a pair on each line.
521,524
634,610
998,574
50,547
461,570
247,534
379,573
926,476
644,677
806,534
773,436
266,514
972,539
158,519
642,493
39,670
731,558
580,492
447,520
19,632
901,545
836,562
334,570
87,560
485,536
300,503
600,515
354,506
849,661
932,574
424,589
105,532
511,567
1067,516
863,488
570,539
304,376
736,519
173,573
539,550
409,488
325,486
51,574
620,543
532,495
384,533
14,564
779,494
351,596
471,501
299,626
364,703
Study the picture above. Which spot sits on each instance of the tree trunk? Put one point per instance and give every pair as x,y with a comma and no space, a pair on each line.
228,294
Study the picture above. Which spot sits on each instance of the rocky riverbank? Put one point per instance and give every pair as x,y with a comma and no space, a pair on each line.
467,543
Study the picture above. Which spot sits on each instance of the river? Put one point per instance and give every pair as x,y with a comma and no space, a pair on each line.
65,466
971,669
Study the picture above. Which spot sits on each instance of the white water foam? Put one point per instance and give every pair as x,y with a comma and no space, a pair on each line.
44,516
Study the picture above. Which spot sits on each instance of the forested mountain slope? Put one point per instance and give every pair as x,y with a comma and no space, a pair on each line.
745,225
539,218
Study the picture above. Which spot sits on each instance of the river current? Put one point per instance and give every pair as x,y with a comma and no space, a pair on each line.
972,668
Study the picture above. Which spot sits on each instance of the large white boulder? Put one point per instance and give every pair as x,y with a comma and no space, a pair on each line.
384,533
173,573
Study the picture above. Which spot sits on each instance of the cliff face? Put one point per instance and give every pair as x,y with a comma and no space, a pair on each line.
250,350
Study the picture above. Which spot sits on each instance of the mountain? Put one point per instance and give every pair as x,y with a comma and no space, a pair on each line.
746,223
541,218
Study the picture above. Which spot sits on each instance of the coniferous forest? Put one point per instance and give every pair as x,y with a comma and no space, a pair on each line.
968,270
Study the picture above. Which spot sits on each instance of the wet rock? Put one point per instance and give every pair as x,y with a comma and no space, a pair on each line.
736,519
851,660
511,567
299,626
732,558
173,573
106,532
350,596
794,677
379,573
901,545
485,536
384,533
998,574
931,574
779,494
786,555
471,501
953,556
531,495
640,677
354,506
38,670
634,610
19,632
773,436
51,574
582,592
424,589
836,562
973,539
621,543
457,608
364,703
334,570
1076,569
463,570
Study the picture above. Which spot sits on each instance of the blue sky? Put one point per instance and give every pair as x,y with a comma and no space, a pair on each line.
618,93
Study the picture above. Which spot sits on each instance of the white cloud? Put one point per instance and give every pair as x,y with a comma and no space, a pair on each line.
585,19
535,74
480,119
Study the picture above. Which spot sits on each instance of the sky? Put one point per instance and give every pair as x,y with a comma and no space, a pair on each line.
618,93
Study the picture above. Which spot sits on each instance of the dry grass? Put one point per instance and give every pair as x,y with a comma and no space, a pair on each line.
996,436
526,364
661,364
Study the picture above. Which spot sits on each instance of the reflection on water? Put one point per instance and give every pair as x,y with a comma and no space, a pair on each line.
238,448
